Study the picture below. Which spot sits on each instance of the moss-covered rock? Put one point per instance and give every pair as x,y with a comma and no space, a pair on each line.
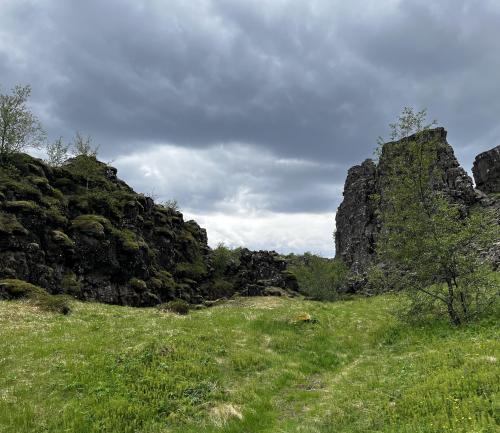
62,239
18,289
89,234
92,225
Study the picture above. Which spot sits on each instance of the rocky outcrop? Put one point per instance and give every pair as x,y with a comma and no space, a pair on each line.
356,220
263,273
486,171
80,230
356,223
260,273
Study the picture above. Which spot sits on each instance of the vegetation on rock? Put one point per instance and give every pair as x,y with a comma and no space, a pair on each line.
428,241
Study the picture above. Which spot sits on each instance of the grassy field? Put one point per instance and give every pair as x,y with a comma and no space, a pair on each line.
245,366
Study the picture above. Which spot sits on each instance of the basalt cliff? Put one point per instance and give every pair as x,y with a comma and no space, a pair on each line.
80,230
357,225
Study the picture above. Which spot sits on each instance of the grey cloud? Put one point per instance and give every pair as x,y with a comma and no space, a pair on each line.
315,81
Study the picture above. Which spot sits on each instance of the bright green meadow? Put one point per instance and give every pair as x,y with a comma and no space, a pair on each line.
245,366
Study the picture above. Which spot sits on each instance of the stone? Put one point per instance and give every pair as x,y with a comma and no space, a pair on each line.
357,225
486,171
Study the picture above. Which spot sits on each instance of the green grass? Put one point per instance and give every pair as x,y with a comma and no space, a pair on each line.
245,366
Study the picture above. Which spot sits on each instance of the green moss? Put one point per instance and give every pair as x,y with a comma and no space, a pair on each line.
129,240
70,284
10,225
20,289
16,289
91,224
163,284
55,216
24,206
195,270
12,182
62,238
137,284
164,231
39,181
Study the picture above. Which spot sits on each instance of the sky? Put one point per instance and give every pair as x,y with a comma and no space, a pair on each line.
250,112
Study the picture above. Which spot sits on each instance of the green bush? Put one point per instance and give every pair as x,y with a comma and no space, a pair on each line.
177,306
222,258
320,278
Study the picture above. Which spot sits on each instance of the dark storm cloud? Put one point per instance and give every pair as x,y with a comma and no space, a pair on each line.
313,81
307,79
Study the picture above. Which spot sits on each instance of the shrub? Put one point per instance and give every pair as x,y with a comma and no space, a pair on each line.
177,306
222,258
320,278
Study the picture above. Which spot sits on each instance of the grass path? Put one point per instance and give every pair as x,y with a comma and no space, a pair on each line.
245,366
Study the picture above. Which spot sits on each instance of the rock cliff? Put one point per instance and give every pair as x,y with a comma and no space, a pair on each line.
80,230
486,171
356,220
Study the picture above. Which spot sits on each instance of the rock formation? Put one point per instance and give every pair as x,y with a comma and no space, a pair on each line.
356,220
80,230
486,171
263,273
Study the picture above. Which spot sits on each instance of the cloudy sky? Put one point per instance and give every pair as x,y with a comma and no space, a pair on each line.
250,112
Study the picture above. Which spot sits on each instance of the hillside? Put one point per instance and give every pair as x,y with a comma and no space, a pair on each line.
245,366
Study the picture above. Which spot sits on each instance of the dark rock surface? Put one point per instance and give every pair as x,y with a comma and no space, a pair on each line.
101,242
486,171
356,223
80,230
262,273
356,220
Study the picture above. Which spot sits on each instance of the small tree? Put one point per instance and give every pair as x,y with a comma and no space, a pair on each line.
428,242
83,146
85,161
19,127
57,152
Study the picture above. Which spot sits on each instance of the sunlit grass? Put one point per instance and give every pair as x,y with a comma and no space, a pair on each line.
245,366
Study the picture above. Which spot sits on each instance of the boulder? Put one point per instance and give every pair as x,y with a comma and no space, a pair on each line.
486,171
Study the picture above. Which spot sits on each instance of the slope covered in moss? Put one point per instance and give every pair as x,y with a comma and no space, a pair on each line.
80,230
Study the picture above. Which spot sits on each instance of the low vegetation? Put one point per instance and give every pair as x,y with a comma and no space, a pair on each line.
318,277
36,296
249,365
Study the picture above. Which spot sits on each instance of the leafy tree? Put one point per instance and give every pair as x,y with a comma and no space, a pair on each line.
429,243
85,162
57,152
222,258
19,127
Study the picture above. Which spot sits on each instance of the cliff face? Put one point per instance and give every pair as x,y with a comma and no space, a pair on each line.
80,230
486,171
356,220
356,223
